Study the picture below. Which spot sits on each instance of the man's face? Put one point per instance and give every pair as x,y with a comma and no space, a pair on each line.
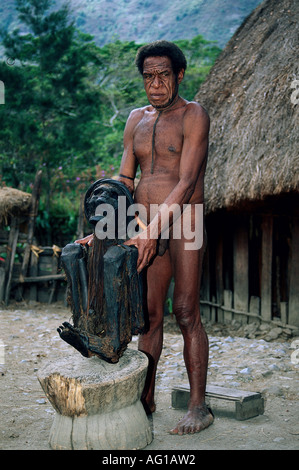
160,83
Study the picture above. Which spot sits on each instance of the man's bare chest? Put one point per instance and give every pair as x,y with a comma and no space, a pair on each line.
162,134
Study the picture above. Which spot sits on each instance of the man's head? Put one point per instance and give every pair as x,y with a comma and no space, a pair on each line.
162,65
160,49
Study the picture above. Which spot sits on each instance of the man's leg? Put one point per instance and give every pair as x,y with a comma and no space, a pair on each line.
158,280
187,269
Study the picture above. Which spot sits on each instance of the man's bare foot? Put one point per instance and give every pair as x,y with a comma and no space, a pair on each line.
195,420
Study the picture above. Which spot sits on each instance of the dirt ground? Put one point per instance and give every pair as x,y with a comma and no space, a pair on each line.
29,336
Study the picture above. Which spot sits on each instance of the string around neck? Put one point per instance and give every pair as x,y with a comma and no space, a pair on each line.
153,141
154,129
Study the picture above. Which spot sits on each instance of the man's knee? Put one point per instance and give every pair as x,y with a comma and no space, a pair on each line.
187,314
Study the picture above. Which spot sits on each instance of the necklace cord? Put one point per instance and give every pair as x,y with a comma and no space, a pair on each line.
154,130
153,141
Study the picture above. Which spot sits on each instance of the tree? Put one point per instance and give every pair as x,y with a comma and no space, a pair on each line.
51,96
53,74
201,55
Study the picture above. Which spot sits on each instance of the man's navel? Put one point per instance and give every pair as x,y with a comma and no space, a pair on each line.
171,148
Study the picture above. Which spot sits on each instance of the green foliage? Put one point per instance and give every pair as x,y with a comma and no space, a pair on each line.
66,105
200,55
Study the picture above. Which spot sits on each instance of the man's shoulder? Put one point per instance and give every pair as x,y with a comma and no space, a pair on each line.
134,118
138,113
196,113
195,108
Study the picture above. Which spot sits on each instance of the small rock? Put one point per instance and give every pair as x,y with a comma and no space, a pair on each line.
229,372
274,390
41,401
234,384
273,334
264,327
229,339
251,328
246,370
268,373
279,353
274,367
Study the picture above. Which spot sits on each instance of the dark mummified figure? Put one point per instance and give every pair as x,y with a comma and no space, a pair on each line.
104,288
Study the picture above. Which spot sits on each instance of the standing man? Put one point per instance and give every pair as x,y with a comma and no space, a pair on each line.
168,139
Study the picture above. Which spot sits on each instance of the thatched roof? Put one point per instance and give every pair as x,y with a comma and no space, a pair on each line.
13,203
254,136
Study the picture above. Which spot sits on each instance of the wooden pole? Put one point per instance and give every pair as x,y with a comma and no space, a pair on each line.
205,286
227,299
80,225
266,271
240,269
54,283
219,276
11,251
254,308
293,316
33,271
31,225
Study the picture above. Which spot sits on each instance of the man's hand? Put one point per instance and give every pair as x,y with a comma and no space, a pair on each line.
88,240
146,246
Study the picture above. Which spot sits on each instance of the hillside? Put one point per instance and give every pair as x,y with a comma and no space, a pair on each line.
143,20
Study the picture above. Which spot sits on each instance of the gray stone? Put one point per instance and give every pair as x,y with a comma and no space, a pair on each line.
273,334
274,390
229,372
229,339
246,371
264,327
274,367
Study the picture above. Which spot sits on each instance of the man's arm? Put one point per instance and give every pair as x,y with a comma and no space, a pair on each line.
128,164
194,153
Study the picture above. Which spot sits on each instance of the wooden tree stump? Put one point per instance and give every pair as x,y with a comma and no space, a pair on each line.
97,404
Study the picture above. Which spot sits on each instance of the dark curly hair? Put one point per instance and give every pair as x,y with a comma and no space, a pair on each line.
160,49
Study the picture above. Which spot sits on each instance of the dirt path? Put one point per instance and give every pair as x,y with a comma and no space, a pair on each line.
30,337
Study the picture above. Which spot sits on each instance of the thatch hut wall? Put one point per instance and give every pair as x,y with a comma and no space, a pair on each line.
252,178
254,124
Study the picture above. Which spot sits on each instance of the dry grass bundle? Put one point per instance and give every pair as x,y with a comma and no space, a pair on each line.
13,203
